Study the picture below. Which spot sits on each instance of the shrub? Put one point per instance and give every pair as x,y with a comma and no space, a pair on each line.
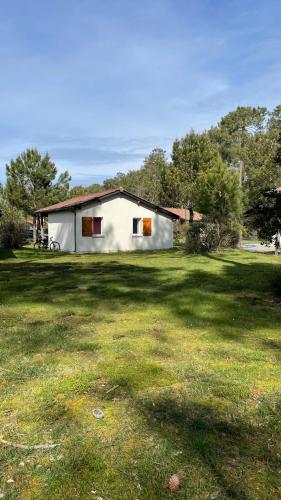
12,226
230,235
180,231
202,237
209,236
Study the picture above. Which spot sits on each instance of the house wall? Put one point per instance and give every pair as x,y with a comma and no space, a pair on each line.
117,228
61,228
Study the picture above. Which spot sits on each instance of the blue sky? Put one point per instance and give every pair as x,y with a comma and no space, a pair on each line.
99,83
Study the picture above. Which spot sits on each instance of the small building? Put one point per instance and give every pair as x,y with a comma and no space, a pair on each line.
184,214
108,221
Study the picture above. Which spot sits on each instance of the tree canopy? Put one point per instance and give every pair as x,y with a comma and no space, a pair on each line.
31,181
218,194
265,214
250,135
145,182
247,134
191,155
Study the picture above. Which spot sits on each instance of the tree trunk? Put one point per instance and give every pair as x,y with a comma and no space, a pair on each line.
34,229
277,243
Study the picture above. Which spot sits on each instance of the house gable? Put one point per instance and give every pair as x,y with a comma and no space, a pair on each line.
95,198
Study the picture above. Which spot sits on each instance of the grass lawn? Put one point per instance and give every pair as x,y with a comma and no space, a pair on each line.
181,353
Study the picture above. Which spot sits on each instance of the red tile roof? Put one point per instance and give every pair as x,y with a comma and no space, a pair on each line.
78,200
184,213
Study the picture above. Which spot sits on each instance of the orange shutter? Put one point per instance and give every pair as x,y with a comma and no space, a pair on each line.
147,227
87,226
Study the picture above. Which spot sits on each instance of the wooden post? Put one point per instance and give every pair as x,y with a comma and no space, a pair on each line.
42,227
35,228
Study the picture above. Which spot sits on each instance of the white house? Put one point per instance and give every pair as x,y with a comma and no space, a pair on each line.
109,221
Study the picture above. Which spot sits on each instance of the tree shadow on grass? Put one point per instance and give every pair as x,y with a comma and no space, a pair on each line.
227,447
48,337
108,276
233,302
7,253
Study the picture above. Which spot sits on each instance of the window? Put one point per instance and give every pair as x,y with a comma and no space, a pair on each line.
147,227
136,226
97,226
87,226
91,226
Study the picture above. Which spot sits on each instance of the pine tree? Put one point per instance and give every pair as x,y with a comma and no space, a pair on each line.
31,182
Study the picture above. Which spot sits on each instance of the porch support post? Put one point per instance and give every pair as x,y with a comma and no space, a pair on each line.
35,227
41,220
75,230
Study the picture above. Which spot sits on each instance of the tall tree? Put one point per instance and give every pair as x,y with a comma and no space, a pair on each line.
265,217
265,214
262,170
190,155
12,224
277,157
31,182
119,180
81,190
247,138
234,129
145,182
218,195
274,122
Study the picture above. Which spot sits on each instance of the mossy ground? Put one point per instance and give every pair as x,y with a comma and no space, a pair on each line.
181,353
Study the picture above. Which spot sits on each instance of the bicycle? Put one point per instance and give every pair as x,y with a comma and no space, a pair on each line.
42,243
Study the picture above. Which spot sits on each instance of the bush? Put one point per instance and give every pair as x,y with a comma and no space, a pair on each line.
230,235
202,237
209,236
180,229
12,226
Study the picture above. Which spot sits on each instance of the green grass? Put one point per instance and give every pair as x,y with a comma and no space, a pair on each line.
191,347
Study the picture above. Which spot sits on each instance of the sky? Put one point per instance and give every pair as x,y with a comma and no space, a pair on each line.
99,83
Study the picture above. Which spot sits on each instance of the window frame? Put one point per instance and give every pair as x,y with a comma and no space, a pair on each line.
139,233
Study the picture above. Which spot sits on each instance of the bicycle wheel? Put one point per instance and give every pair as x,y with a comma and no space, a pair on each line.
54,246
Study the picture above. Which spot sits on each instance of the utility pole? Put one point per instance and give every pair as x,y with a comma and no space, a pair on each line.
241,176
